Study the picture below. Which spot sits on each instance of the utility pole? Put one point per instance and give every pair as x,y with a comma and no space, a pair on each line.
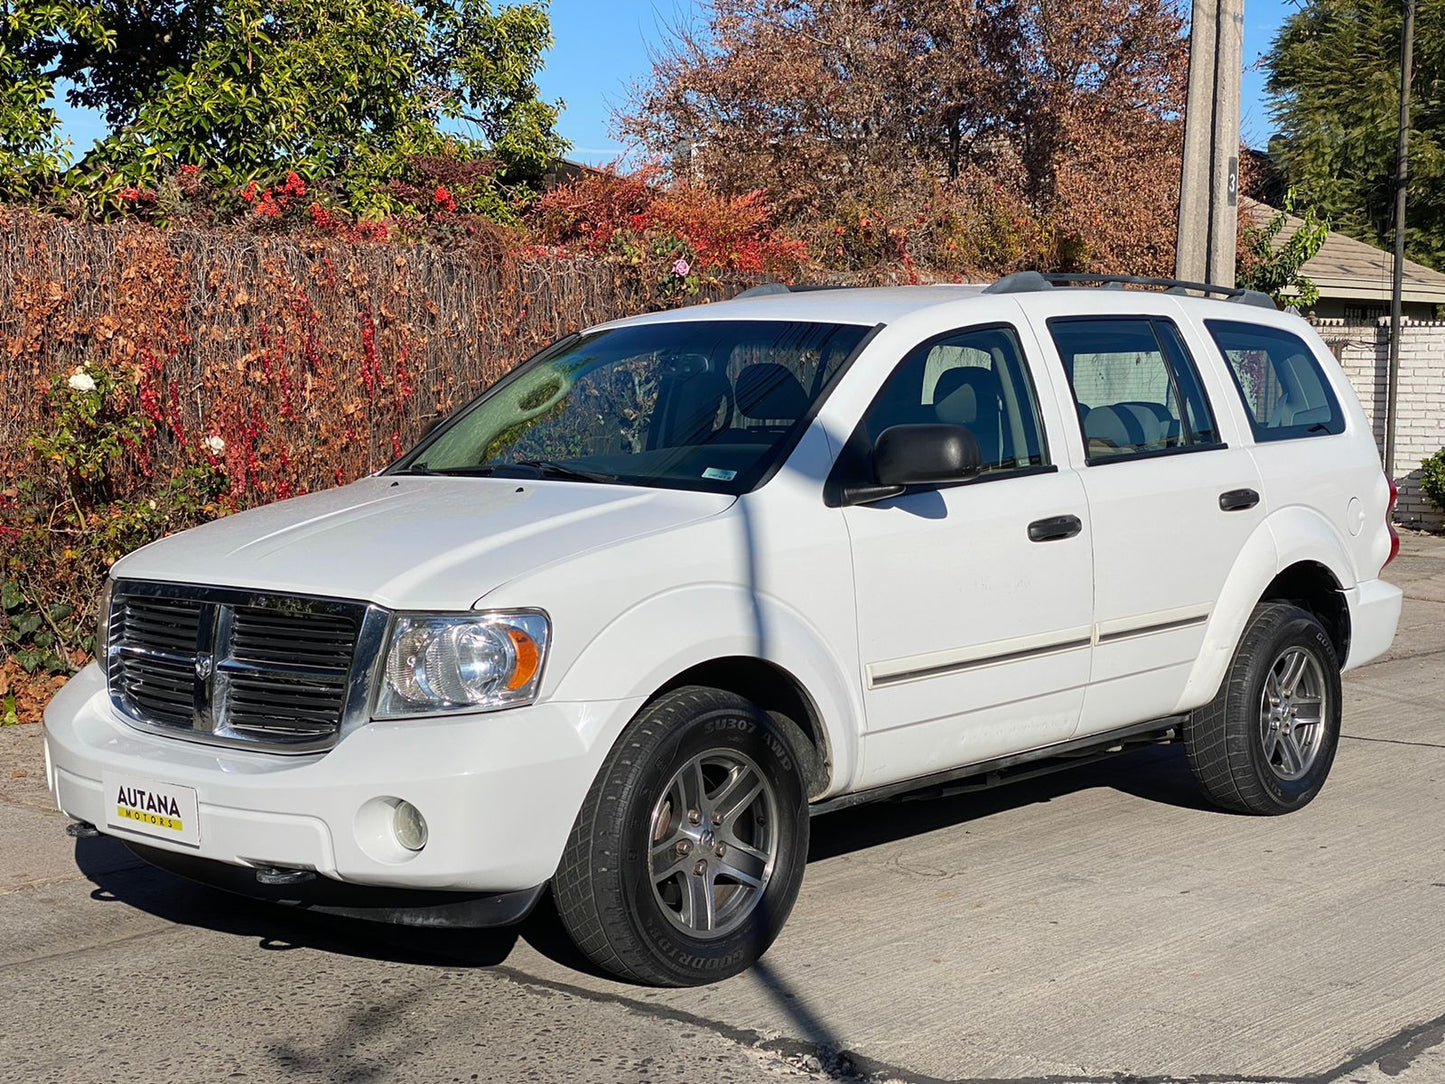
1402,182
1209,186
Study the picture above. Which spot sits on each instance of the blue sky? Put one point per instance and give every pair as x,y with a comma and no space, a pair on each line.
602,46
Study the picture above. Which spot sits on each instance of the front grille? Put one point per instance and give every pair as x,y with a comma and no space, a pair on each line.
156,670
239,667
302,667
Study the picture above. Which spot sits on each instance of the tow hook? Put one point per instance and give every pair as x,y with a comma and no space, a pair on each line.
272,875
81,830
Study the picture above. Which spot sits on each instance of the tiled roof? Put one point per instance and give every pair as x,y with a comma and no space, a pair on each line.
1346,268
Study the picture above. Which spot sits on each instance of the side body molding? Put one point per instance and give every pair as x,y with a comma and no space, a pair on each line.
1285,537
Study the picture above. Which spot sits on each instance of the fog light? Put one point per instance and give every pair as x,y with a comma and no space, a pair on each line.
409,826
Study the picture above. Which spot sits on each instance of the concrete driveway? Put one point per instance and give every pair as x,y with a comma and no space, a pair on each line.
1101,925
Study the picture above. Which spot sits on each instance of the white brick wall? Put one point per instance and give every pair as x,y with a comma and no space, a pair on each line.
1364,353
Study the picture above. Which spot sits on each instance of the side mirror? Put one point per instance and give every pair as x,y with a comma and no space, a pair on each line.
919,455
915,455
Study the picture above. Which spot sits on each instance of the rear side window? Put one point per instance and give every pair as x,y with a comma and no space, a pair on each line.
1135,387
1280,380
976,379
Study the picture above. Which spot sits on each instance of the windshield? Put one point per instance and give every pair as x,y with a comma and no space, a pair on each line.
698,404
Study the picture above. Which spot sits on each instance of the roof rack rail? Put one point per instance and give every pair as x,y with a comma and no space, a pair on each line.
768,288
1027,282
764,290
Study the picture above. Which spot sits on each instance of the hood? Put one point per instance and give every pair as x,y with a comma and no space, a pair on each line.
414,542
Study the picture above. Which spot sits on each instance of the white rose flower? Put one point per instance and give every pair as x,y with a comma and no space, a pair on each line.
215,445
80,380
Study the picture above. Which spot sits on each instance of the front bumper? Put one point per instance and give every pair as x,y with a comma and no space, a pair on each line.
499,791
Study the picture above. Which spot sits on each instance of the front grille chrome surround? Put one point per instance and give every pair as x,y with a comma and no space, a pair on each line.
252,669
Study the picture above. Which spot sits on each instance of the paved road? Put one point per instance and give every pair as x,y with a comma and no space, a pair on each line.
1097,926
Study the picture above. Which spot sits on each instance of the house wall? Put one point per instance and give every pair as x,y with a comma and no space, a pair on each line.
1362,311
1364,353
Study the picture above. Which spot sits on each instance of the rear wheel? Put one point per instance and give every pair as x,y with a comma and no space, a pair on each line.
1266,743
689,851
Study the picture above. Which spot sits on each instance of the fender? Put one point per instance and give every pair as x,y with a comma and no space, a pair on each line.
667,633
1283,538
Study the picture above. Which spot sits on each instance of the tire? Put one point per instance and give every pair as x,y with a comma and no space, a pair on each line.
1265,743
656,895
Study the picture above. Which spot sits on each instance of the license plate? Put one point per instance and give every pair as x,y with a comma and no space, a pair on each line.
161,810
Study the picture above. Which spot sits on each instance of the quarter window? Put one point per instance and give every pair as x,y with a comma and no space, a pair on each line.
1135,387
1285,391
976,379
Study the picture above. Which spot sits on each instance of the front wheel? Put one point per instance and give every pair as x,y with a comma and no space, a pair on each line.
1266,742
689,850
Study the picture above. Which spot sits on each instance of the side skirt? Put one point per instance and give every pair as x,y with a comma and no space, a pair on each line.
1016,766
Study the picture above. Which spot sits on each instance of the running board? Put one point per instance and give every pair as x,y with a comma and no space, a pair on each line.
1016,766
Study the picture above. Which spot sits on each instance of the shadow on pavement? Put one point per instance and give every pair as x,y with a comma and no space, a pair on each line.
1158,774
120,877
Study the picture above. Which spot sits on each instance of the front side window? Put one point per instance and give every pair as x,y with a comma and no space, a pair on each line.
1135,387
700,404
1280,380
976,379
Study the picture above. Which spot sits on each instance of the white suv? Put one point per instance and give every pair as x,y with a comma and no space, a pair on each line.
625,621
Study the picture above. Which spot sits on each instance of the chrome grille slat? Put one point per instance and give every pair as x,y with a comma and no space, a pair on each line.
239,667
160,628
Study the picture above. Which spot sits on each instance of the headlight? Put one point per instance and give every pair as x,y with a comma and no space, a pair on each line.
102,624
462,662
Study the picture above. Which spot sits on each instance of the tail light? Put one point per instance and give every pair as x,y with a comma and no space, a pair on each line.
1390,520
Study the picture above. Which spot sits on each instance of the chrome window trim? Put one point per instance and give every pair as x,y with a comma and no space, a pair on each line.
206,729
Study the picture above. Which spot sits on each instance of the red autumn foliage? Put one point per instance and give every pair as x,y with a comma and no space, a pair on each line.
721,233
961,138
244,367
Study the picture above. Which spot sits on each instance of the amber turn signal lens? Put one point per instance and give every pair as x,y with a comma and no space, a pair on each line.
528,658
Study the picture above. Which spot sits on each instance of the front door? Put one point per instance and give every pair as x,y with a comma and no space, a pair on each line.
974,600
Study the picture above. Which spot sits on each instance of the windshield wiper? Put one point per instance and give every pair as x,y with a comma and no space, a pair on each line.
561,470
417,468
543,467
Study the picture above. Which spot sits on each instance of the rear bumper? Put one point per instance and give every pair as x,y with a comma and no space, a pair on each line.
499,791
1374,617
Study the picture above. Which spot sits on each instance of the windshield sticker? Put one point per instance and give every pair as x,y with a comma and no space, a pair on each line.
717,474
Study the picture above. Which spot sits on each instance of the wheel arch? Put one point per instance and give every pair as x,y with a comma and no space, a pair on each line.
1312,587
1294,555
775,690
726,637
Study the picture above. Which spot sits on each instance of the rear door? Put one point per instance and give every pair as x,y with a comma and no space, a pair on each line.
1297,403
1171,503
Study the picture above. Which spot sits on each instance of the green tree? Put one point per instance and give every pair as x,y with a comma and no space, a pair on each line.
1335,89
32,37
353,90
1275,268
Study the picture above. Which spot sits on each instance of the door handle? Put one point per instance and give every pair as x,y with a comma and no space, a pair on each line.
1054,528
1237,500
